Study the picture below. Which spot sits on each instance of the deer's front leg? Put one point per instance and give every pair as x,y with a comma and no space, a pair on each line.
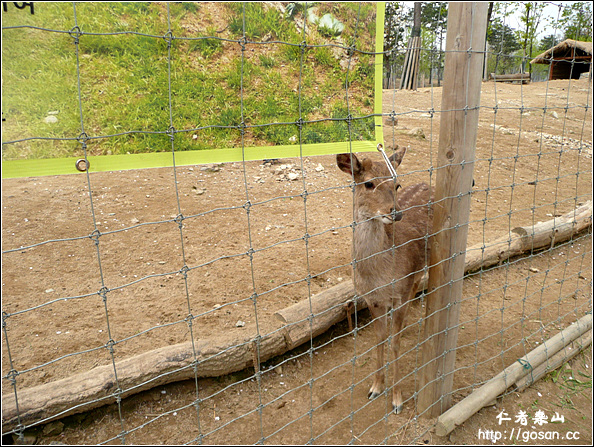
380,326
398,319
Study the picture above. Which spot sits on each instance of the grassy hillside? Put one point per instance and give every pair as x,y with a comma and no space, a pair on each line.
124,60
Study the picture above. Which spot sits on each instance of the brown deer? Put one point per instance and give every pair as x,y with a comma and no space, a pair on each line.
387,216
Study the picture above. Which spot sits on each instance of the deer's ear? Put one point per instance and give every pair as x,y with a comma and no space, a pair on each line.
397,156
349,163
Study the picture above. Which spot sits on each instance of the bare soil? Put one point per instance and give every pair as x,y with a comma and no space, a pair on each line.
533,162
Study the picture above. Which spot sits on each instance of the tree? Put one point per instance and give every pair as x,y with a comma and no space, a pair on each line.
531,14
547,42
400,25
394,36
394,29
576,21
416,30
503,43
485,59
434,18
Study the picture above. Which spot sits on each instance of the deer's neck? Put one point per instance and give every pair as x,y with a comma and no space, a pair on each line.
370,237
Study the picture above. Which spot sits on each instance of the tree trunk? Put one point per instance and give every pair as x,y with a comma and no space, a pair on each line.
489,14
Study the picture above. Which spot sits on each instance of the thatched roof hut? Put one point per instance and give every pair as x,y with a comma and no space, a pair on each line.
568,59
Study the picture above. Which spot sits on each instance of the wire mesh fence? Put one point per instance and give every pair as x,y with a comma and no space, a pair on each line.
206,304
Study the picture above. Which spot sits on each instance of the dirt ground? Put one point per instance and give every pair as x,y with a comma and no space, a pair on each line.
57,324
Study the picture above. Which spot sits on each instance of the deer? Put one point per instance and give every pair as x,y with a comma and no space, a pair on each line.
389,250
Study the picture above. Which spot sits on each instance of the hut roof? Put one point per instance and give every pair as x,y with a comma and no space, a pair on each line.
561,50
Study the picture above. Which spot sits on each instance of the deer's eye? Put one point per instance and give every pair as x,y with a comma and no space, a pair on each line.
369,185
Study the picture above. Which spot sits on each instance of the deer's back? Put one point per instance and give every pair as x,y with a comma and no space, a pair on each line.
410,233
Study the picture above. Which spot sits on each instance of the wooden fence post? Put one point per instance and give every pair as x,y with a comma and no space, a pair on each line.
465,44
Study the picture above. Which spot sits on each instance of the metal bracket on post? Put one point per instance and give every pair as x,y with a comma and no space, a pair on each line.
380,148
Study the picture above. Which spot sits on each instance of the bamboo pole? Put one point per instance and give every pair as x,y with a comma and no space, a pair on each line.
465,42
413,82
406,67
550,364
498,384
411,64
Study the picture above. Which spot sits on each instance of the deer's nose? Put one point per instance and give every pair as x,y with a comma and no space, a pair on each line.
396,215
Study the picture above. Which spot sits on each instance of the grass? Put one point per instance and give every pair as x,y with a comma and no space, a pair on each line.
572,382
207,44
125,83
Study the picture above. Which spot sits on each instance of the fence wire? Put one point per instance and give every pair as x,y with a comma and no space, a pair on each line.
316,392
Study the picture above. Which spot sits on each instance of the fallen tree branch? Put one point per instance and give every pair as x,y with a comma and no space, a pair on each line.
224,354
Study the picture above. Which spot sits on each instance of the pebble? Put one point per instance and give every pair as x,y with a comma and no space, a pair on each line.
417,132
53,428
29,438
211,168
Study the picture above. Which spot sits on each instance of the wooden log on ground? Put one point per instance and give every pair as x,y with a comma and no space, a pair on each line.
460,412
324,310
530,237
518,77
84,391
564,355
519,240
220,355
